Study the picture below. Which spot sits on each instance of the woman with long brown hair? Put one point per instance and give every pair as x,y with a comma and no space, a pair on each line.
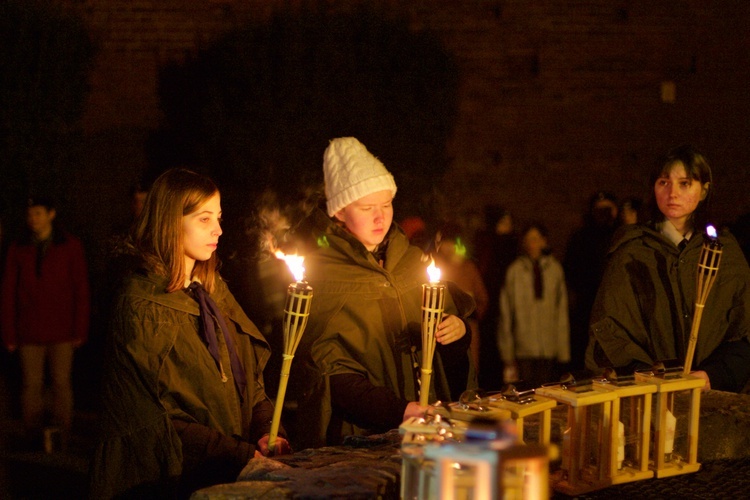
183,399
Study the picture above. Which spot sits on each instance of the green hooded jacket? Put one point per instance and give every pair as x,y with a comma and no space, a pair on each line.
646,301
365,319
158,369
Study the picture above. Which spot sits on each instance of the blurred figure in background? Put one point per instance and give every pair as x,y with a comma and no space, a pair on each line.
259,279
585,258
630,211
416,230
114,263
45,315
534,333
741,230
455,265
496,246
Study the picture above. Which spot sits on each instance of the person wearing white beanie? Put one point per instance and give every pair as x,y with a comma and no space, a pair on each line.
359,356
359,190
351,172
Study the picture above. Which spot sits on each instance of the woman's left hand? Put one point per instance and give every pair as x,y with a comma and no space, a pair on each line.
450,329
281,448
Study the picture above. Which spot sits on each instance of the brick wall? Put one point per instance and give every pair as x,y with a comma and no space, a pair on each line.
558,98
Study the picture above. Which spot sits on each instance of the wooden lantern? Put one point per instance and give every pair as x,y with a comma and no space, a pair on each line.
586,447
522,402
631,429
671,422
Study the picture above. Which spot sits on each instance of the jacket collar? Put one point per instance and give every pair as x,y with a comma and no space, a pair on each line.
667,229
649,235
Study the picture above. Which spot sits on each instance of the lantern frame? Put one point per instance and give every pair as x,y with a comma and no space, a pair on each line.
581,403
666,389
640,394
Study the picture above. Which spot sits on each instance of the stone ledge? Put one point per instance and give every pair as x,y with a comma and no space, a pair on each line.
360,469
370,468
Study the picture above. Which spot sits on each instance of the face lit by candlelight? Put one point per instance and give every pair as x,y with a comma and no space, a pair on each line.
678,195
369,218
200,232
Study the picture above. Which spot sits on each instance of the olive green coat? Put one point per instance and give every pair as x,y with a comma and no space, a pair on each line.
158,368
365,319
645,306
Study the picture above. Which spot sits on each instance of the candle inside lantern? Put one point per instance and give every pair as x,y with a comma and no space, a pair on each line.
433,303
296,313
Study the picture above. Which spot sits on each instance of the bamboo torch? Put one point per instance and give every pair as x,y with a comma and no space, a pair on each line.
296,312
433,303
708,268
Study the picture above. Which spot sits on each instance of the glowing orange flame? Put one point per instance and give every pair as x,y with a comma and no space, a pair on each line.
433,272
294,263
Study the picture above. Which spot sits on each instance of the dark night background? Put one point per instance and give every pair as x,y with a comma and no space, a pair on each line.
532,105
468,102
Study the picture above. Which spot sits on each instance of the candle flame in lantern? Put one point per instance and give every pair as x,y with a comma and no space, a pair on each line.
433,272
294,263
711,232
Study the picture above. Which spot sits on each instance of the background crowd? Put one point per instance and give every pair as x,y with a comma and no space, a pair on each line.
526,315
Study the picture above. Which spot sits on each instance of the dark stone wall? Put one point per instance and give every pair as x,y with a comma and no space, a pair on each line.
557,99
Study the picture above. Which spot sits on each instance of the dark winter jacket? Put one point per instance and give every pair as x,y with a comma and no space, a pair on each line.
165,406
364,334
645,305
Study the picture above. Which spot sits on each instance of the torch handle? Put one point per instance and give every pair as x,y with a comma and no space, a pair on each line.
424,391
693,340
285,369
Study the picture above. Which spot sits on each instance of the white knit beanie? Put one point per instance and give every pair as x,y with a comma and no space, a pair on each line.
351,172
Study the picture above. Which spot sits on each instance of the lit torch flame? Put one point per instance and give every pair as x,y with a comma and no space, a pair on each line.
711,232
294,263
433,272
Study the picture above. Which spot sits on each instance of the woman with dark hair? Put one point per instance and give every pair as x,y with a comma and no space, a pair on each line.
456,265
183,404
44,315
644,307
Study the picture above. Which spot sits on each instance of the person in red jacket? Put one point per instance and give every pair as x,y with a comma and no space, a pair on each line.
45,314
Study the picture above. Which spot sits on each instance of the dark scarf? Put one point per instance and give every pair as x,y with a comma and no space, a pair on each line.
538,283
209,311
41,250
